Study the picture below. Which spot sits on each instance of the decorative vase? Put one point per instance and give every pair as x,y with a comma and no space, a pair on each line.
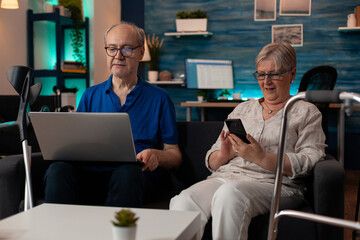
124,233
236,96
351,22
191,25
153,76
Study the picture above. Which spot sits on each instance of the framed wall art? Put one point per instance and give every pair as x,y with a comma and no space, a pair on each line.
291,33
264,10
295,8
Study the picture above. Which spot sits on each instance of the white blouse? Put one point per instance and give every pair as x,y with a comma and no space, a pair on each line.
305,142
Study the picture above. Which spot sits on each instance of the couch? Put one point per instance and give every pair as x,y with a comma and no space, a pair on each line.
325,184
9,106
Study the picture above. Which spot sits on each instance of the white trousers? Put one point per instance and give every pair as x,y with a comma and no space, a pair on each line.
232,204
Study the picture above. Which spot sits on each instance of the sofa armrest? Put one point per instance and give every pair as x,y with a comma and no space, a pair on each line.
12,181
195,139
12,184
328,186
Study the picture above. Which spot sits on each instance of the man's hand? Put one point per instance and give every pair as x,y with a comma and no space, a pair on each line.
169,157
149,158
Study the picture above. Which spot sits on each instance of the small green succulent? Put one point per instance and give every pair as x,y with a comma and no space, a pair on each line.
225,93
125,218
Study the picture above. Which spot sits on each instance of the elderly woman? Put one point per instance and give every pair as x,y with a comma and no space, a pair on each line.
242,180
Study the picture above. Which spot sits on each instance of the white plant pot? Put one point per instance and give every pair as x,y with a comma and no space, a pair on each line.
200,98
153,76
124,233
191,25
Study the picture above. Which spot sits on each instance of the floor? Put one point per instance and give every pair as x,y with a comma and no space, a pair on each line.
351,188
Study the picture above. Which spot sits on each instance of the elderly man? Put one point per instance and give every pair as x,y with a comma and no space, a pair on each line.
153,122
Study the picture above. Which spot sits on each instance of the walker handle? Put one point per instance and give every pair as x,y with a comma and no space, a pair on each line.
323,96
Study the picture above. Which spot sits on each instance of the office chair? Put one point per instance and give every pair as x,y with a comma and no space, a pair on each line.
21,78
320,78
324,96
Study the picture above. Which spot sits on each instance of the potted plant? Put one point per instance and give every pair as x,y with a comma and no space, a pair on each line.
195,21
224,95
201,95
154,44
124,226
76,34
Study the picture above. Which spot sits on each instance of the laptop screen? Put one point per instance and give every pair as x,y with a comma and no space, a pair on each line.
74,136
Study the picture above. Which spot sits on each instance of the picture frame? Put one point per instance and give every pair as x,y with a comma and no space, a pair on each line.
290,33
295,8
264,10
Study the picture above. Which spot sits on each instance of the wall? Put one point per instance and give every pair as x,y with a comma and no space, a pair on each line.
239,38
106,13
12,42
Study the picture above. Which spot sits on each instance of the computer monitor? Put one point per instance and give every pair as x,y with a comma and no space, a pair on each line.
209,74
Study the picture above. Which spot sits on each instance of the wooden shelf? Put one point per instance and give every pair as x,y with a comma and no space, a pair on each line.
349,29
209,104
54,73
185,34
172,82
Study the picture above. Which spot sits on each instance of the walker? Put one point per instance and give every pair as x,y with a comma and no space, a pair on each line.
321,96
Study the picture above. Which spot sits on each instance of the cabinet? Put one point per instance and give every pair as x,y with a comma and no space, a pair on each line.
61,24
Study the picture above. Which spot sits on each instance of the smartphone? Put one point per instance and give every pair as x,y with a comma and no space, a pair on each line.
236,127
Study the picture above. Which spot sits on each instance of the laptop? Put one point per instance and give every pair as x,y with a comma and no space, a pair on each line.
73,136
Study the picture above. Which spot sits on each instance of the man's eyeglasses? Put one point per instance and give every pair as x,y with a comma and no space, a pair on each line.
272,75
124,51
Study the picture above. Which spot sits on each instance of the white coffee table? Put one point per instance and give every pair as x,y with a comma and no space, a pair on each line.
65,222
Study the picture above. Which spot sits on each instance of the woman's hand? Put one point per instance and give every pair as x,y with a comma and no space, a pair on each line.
222,156
251,152
226,150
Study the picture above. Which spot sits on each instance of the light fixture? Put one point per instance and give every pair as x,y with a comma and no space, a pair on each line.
10,4
146,57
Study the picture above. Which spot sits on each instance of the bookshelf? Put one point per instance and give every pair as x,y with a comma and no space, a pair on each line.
61,23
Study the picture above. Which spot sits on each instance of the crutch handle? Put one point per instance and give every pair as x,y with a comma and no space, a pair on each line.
323,96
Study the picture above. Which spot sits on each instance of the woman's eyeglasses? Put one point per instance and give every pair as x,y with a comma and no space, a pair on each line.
271,75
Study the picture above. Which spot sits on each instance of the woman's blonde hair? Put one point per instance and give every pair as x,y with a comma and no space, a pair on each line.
282,54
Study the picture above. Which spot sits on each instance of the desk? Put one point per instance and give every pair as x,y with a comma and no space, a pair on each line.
203,105
74,222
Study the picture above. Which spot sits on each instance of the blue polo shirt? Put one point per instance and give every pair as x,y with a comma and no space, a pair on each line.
151,112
